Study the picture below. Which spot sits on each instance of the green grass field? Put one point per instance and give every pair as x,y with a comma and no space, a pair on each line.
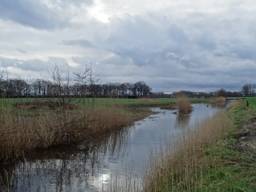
252,102
103,102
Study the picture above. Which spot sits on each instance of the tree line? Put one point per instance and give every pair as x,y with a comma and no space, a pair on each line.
246,91
76,85
249,90
84,84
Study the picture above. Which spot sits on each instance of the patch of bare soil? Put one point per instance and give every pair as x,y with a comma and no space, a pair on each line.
246,137
45,104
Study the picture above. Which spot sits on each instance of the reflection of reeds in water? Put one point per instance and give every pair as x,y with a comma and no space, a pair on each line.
182,120
127,183
180,169
70,169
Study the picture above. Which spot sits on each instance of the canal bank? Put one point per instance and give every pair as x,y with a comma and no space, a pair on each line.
223,162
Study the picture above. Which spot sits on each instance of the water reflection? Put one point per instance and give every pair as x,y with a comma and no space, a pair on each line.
116,162
182,120
73,169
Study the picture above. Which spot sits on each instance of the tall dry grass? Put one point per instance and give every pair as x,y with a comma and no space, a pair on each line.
25,130
180,169
183,104
218,101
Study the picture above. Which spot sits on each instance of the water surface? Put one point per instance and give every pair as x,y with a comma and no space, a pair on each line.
119,160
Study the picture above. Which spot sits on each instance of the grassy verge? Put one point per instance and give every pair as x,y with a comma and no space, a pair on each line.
210,160
234,168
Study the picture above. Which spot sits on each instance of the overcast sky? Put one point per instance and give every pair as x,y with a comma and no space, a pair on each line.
169,44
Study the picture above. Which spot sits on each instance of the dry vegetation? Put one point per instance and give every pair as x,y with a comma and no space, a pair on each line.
218,101
28,128
181,169
183,104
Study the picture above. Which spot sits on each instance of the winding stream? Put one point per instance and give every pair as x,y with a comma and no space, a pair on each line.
116,163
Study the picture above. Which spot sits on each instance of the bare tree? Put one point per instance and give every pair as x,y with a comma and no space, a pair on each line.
82,80
62,85
1,83
248,90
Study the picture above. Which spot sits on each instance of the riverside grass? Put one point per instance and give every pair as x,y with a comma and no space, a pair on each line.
182,169
209,160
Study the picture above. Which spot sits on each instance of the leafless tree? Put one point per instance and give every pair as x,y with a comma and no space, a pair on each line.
248,90
82,80
62,85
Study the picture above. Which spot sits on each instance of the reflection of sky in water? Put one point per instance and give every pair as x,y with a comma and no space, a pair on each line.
114,162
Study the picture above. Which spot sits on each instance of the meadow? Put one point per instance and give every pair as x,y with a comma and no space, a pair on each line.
104,102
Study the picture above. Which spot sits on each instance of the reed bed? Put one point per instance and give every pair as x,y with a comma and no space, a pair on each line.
22,130
183,104
218,101
182,168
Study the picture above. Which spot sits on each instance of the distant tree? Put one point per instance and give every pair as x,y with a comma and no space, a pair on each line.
16,88
248,90
1,83
37,87
61,85
83,84
82,80
141,89
221,93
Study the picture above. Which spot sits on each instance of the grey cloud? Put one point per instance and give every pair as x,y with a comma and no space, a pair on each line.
145,44
186,51
35,13
171,55
75,2
22,51
33,65
79,42
30,13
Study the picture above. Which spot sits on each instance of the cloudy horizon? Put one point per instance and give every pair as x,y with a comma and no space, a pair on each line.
171,45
